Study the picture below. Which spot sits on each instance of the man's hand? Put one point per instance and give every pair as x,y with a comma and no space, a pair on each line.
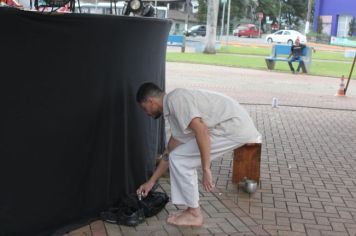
145,188
208,183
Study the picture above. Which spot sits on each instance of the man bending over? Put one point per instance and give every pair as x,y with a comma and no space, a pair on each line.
204,125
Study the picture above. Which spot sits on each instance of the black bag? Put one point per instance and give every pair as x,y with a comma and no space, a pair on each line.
131,211
153,203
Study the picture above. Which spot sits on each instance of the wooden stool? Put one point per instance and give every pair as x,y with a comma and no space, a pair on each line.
247,162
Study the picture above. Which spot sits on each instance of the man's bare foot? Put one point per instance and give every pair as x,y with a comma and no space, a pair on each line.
176,213
188,217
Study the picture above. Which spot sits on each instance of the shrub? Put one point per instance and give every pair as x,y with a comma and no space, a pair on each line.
319,25
351,27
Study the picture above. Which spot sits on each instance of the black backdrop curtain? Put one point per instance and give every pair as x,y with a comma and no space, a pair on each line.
72,139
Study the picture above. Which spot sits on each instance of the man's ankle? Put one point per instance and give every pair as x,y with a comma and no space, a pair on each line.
195,211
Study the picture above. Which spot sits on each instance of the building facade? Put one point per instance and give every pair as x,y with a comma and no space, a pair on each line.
335,16
181,20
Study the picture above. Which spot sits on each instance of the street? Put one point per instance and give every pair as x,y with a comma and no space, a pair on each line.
191,41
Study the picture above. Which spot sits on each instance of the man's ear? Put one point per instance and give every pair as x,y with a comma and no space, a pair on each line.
151,100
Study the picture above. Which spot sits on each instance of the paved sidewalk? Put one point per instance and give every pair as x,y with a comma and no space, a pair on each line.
308,166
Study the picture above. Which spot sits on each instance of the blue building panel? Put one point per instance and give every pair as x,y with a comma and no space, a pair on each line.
334,10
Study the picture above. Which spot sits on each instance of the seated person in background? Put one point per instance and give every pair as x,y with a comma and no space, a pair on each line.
295,55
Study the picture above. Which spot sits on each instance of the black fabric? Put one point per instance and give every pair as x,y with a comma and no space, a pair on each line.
73,141
131,211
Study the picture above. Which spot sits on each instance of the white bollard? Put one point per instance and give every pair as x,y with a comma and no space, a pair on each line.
274,102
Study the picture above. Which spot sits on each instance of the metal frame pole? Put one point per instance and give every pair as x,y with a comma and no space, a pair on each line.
228,22
348,80
222,20
279,15
307,24
156,8
187,9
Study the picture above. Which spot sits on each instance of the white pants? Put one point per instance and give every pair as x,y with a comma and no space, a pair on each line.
183,163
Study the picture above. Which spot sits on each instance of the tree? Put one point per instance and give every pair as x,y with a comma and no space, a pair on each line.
291,10
319,25
238,10
312,11
307,25
268,8
202,11
212,19
295,10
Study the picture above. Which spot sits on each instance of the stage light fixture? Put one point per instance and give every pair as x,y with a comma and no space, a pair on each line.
148,11
138,8
135,5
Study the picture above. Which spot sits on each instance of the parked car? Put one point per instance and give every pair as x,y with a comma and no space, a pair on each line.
286,36
248,30
196,30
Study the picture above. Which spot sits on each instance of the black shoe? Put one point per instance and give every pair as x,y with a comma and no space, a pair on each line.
130,217
128,212
108,216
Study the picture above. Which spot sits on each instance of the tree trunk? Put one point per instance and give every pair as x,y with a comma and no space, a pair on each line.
307,24
212,19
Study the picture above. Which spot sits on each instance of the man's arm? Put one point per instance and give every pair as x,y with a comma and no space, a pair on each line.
162,167
172,144
291,52
163,164
201,132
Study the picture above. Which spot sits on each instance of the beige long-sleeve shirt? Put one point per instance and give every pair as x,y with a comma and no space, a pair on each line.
223,115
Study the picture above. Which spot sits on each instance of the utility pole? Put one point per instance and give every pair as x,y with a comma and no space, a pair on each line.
228,22
279,15
211,23
156,8
260,17
223,19
308,17
187,8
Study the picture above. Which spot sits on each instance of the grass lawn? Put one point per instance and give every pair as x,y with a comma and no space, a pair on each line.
246,50
262,51
324,68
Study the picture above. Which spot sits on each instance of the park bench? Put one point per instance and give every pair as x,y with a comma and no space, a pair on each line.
281,52
177,41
